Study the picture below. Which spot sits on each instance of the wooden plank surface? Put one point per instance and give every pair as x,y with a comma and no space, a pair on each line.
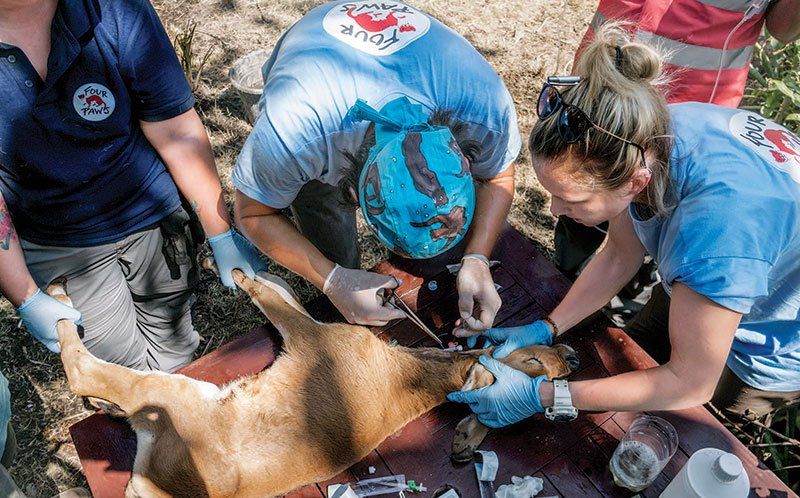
548,490
569,480
571,458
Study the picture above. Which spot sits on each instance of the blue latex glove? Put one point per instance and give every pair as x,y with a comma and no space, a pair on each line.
40,313
509,339
232,251
513,397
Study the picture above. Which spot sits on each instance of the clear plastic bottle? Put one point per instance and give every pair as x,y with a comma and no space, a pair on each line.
710,473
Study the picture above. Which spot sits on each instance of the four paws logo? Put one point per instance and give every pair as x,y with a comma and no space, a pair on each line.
774,143
93,102
377,28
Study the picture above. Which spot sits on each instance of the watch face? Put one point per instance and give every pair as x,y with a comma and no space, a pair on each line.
564,417
563,414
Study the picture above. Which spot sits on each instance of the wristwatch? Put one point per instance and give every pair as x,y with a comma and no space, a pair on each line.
562,409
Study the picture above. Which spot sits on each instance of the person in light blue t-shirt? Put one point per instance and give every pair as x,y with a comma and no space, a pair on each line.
713,194
308,153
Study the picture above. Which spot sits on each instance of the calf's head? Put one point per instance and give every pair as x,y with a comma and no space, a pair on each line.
554,362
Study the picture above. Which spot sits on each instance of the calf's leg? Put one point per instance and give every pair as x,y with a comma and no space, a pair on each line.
470,432
275,299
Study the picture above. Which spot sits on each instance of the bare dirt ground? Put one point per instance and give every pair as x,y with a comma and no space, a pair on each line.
523,39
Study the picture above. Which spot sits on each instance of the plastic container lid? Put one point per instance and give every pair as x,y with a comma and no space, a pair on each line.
714,473
728,467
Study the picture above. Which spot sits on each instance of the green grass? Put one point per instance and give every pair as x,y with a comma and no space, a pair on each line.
775,445
191,63
773,89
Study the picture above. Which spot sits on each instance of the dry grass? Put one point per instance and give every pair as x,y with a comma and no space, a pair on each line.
523,39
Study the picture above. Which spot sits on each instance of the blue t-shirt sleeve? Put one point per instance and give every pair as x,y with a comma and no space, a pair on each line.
159,89
267,170
499,148
5,409
733,282
723,238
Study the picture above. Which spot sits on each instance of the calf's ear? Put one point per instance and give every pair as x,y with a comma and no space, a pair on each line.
477,377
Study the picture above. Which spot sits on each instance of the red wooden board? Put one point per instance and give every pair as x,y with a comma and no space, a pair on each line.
571,458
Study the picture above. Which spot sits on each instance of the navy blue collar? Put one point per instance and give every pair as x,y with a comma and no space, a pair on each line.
79,17
73,28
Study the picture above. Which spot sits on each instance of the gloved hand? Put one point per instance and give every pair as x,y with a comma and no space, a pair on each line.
509,339
232,250
40,313
512,397
477,294
355,295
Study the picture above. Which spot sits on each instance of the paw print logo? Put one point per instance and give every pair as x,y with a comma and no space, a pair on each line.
93,102
376,28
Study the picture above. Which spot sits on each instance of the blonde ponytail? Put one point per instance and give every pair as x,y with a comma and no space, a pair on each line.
621,91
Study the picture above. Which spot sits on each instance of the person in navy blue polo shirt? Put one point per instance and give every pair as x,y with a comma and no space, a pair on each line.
97,138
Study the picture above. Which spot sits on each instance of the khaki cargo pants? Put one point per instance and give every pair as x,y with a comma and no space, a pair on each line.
135,295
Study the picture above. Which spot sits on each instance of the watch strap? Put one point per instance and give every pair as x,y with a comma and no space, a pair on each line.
561,395
562,409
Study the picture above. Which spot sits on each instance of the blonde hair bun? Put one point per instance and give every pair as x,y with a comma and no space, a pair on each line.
640,63
622,92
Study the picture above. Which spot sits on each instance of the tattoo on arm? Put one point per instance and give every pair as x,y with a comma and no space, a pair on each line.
196,207
7,233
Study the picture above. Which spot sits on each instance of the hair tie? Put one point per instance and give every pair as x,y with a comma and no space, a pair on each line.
619,57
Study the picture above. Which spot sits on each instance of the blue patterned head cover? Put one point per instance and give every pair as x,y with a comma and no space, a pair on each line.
415,190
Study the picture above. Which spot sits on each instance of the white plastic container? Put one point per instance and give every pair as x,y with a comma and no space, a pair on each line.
248,81
710,473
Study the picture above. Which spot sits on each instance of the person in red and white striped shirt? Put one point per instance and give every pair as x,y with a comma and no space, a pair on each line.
708,42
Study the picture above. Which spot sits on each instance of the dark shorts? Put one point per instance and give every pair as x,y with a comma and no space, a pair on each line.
326,223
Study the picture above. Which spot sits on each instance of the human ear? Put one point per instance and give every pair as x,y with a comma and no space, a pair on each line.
641,178
353,195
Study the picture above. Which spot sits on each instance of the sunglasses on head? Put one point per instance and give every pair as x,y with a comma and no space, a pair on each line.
573,123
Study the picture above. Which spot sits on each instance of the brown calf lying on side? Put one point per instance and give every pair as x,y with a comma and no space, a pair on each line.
329,399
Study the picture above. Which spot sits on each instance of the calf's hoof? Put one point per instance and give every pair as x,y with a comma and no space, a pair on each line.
470,433
95,404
